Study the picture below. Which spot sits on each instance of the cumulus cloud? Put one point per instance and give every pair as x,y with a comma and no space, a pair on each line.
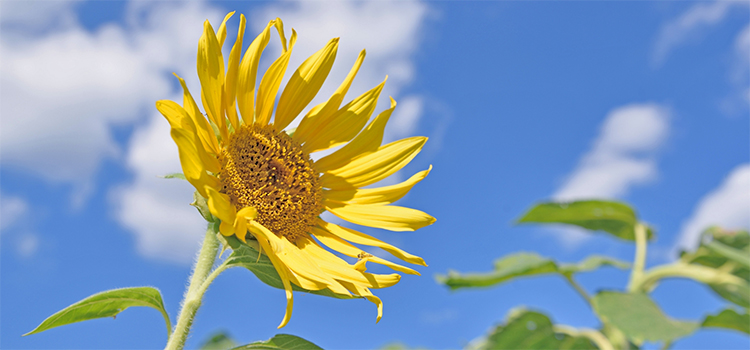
689,25
389,31
623,155
727,206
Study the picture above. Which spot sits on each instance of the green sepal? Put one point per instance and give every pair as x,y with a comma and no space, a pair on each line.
219,341
281,342
106,304
615,218
638,317
248,256
180,176
201,204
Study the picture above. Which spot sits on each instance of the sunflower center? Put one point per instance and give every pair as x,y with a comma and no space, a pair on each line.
268,171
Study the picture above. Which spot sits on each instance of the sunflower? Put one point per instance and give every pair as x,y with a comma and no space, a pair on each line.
260,181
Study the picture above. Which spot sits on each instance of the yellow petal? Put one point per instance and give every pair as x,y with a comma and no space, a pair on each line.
269,85
248,75
389,217
324,110
380,195
345,123
211,75
221,35
373,167
230,82
362,291
341,270
284,275
348,249
366,142
220,206
179,119
330,229
205,132
305,84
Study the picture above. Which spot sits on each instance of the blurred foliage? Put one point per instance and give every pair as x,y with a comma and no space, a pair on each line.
628,317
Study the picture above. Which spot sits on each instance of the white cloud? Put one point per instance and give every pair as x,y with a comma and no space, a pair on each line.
156,210
689,25
623,155
12,210
727,206
389,31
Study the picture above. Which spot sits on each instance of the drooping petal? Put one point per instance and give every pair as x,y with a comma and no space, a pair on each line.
324,110
343,124
281,269
346,248
269,85
230,81
373,167
248,74
211,75
362,291
327,228
304,84
366,142
220,206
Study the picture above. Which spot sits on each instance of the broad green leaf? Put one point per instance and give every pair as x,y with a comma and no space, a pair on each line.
281,342
737,245
506,268
592,263
175,176
639,317
729,319
615,218
106,304
247,256
523,264
531,330
219,341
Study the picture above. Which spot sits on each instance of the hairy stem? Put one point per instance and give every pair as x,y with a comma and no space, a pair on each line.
194,294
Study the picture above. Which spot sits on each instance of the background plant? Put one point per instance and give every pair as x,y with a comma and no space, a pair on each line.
629,317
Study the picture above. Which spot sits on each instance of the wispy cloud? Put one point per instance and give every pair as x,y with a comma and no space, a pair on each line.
689,25
727,206
623,155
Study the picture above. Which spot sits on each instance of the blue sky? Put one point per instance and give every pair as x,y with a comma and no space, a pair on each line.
645,102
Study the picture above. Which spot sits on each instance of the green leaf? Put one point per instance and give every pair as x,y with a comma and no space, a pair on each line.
506,268
247,256
615,218
729,319
725,250
175,176
531,330
281,342
106,304
219,341
521,265
639,317
592,263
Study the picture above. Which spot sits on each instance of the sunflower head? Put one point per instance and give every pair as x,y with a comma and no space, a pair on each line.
261,182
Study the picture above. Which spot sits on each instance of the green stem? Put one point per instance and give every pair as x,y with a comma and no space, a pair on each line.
698,273
196,289
578,288
640,257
